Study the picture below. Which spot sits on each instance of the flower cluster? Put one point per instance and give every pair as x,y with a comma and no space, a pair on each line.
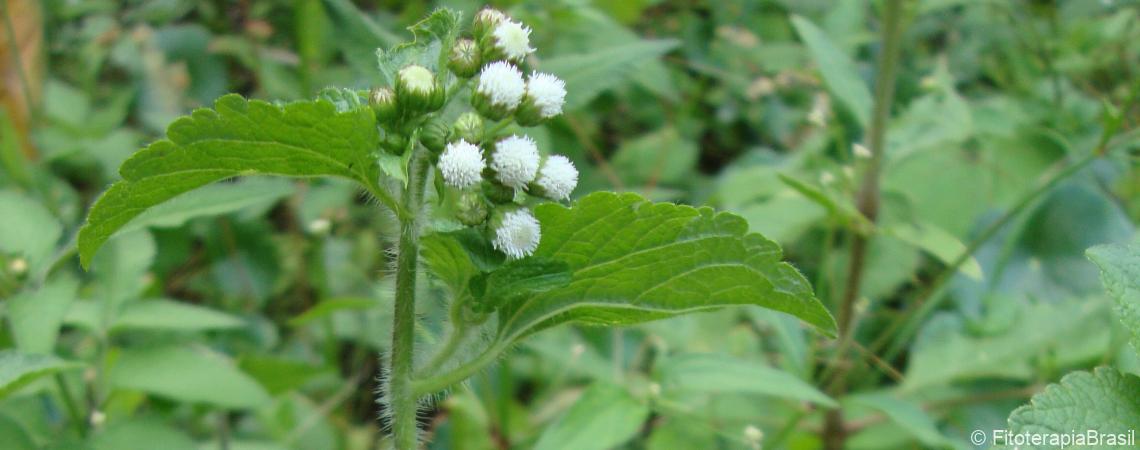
490,177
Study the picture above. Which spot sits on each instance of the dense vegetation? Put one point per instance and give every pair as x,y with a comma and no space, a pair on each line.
954,181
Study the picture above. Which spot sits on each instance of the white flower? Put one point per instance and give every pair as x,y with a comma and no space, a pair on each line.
548,92
502,83
515,161
861,151
558,177
461,164
513,39
518,234
417,79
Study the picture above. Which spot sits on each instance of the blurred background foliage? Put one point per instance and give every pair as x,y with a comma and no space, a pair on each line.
249,315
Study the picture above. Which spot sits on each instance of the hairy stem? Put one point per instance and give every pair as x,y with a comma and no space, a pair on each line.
402,401
867,201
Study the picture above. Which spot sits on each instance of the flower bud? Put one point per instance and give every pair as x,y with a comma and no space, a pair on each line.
462,164
498,193
434,135
468,127
464,60
472,209
515,232
499,91
394,143
545,94
556,179
383,102
509,40
485,22
417,90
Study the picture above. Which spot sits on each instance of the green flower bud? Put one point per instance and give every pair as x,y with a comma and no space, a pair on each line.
417,90
383,102
464,60
434,135
495,191
485,22
468,127
472,209
394,143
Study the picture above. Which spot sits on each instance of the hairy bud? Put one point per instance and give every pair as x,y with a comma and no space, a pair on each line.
464,60
383,102
417,90
472,209
468,127
485,22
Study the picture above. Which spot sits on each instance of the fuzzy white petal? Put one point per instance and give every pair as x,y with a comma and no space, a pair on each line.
548,92
502,83
518,234
558,177
461,164
515,161
513,39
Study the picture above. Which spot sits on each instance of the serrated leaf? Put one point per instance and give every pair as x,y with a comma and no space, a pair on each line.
1120,272
209,201
436,31
192,375
587,75
604,417
517,279
1104,400
838,70
236,137
721,374
18,369
633,261
172,315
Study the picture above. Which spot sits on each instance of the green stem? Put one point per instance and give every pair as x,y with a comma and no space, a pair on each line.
436,383
403,402
77,418
867,201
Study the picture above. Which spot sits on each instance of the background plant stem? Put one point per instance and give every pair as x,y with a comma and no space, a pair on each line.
867,200
402,401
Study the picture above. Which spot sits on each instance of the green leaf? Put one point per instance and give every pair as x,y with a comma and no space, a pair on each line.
721,374
937,242
173,315
1104,400
214,200
588,75
633,261
517,279
908,415
604,417
237,137
18,369
141,434
28,230
187,374
436,31
1120,272
35,316
838,70
327,307
662,155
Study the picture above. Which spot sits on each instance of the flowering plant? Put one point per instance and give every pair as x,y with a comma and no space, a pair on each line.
513,258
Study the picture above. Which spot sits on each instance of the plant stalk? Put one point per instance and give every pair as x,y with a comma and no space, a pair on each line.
402,401
867,201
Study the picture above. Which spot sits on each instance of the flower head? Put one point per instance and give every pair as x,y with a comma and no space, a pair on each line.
416,79
461,164
502,84
517,234
558,177
548,93
512,39
515,161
